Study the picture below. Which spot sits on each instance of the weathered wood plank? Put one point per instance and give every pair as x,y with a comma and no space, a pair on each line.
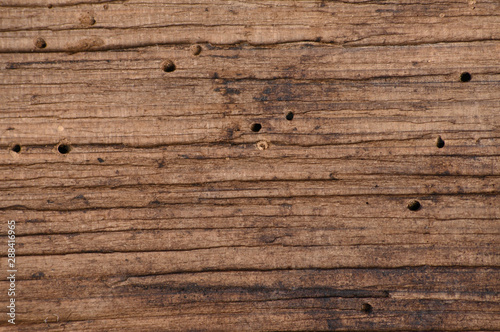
76,26
248,94
356,233
245,179
286,320
299,61
448,206
261,258
228,217
341,313
169,210
416,282
402,291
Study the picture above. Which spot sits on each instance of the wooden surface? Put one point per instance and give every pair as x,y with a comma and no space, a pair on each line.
169,213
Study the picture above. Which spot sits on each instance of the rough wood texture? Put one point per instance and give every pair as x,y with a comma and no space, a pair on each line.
170,213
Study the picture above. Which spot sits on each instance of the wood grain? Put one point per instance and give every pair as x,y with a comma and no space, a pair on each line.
122,24
425,296
170,213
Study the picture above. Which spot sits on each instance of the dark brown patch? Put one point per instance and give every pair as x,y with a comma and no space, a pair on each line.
268,238
228,91
11,65
333,324
38,275
83,198
35,220
276,92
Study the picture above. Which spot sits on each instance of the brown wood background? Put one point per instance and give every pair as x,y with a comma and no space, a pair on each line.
170,213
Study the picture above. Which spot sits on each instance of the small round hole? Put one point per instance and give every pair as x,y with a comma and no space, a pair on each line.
414,205
63,148
366,308
168,66
16,148
87,19
289,116
465,77
196,49
262,145
440,142
40,43
256,127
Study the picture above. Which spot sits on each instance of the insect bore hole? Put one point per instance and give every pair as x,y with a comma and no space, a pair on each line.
366,308
40,43
196,49
262,145
256,127
63,148
414,206
16,148
465,77
440,142
289,116
168,66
